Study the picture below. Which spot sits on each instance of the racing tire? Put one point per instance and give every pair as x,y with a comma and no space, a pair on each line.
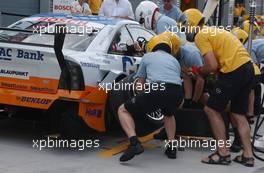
71,125
144,125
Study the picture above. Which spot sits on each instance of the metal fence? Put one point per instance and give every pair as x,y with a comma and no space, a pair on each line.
1,19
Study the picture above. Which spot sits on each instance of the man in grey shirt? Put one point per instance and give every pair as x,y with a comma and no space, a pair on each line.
162,71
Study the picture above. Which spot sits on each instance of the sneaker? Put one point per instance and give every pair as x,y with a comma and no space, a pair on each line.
171,153
131,151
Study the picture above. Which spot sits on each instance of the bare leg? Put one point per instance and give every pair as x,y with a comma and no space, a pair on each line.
251,103
170,126
126,121
204,98
188,87
198,91
218,128
244,132
128,124
233,121
237,144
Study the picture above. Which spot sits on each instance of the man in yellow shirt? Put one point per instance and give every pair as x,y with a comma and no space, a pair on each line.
95,6
224,54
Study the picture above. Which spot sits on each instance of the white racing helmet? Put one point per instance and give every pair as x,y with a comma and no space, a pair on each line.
145,13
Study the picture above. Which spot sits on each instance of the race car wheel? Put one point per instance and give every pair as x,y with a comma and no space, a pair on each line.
71,125
144,124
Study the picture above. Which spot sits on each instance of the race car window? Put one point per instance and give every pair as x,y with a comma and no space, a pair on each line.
119,44
137,31
78,42
25,37
31,25
140,35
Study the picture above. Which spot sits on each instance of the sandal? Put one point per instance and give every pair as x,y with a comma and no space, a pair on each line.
246,161
223,160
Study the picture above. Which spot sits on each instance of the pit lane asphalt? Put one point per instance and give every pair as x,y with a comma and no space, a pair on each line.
17,155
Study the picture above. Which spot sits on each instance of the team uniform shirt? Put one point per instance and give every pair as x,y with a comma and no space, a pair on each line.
95,5
160,66
122,8
228,50
257,50
256,69
165,23
77,8
190,56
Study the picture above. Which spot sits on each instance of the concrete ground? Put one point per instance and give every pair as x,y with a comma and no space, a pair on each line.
17,155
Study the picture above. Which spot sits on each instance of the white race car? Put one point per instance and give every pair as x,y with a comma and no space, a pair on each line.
63,64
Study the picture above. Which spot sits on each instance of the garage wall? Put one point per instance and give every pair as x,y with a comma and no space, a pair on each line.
23,7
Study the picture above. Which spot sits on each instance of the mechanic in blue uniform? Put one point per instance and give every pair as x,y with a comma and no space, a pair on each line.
166,98
189,57
147,13
257,51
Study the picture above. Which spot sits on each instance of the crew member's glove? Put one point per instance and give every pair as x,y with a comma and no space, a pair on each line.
196,70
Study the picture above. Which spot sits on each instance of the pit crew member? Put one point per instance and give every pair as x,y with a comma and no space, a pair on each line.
147,13
226,55
166,99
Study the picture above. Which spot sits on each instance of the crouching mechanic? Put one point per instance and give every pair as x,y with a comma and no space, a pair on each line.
147,13
157,67
189,57
225,54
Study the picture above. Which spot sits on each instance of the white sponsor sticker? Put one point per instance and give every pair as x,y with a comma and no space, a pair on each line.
14,73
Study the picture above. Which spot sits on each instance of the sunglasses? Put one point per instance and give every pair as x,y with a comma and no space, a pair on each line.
167,1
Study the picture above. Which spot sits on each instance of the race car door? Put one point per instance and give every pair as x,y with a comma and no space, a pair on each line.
124,39
118,48
141,36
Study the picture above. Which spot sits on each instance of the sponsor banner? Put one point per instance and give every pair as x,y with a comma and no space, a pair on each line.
34,100
13,86
14,73
62,6
8,54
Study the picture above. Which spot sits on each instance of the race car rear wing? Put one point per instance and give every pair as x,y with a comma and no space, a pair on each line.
59,37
